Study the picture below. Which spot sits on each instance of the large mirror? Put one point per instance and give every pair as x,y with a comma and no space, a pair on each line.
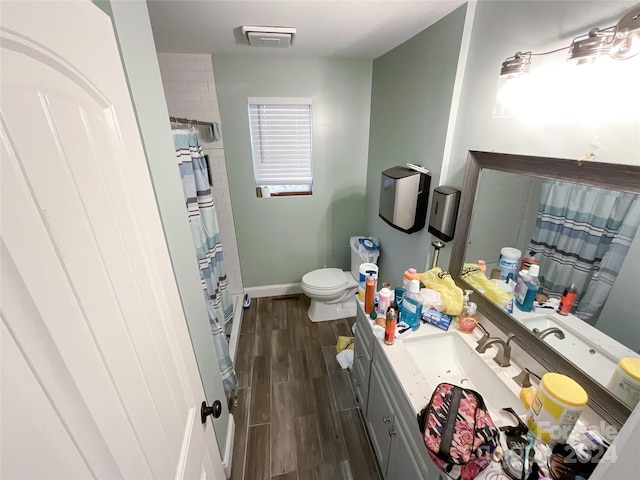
525,203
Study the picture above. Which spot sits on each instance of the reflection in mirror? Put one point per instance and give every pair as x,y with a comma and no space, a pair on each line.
578,235
582,231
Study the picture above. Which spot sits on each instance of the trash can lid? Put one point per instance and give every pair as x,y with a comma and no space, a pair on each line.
368,244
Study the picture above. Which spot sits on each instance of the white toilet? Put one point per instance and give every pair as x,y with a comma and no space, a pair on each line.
333,291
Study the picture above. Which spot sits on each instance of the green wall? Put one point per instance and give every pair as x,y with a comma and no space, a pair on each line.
499,30
281,239
411,100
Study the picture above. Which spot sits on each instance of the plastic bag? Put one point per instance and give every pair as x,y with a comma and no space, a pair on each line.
344,343
432,299
450,293
472,274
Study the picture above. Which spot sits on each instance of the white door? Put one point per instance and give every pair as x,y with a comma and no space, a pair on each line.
98,374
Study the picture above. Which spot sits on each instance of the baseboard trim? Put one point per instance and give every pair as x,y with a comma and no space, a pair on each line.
228,451
274,290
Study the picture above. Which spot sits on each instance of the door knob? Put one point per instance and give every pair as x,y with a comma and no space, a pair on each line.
215,409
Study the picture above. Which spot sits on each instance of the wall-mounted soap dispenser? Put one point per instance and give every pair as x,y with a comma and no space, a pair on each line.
444,211
404,194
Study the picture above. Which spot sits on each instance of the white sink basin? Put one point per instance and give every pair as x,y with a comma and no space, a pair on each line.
448,358
574,347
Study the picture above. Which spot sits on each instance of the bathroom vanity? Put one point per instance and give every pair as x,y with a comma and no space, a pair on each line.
389,416
392,383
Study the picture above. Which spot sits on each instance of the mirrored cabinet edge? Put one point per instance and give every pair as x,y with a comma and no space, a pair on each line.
606,175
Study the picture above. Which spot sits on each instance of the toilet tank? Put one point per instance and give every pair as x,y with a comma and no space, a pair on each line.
363,250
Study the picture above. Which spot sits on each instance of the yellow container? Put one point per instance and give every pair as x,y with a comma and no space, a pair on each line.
625,382
555,409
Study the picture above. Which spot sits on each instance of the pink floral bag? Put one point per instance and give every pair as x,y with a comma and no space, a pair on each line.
458,431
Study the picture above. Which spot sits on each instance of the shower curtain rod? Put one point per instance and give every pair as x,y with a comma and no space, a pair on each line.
190,122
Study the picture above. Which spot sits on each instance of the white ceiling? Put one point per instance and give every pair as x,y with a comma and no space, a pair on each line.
325,28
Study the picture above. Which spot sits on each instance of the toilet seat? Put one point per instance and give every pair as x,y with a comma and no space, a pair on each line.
325,280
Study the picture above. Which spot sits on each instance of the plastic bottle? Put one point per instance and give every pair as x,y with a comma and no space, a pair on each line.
467,323
526,262
384,301
483,266
508,263
390,327
370,292
527,288
397,298
409,275
568,297
411,312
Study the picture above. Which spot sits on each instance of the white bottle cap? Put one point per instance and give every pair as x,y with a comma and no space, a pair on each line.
414,287
534,270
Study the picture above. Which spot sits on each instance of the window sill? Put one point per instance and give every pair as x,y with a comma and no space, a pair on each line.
259,194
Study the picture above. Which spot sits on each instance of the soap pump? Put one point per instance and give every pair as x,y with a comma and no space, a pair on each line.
467,323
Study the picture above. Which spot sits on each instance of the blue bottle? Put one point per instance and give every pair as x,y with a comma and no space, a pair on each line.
411,312
527,288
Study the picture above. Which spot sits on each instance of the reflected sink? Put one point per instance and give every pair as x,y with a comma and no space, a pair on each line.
574,347
448,358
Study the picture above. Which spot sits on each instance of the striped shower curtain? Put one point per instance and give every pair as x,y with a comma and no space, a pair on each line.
582,236
206,239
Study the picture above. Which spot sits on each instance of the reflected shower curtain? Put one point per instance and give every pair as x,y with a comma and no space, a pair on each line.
206,239
582,236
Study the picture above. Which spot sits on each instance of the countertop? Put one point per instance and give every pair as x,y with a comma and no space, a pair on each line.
418,390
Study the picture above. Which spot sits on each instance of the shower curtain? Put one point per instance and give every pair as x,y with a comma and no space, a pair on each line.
206,239
582,236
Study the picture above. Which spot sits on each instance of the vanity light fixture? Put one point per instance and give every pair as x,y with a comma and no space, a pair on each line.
516,65
620,41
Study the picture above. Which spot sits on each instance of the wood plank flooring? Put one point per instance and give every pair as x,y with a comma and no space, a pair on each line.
296,415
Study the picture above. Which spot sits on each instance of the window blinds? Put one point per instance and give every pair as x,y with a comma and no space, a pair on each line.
281,141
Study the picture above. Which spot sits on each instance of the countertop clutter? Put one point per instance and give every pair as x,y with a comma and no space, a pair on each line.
416,363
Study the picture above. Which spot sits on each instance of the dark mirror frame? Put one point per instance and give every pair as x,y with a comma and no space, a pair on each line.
625,178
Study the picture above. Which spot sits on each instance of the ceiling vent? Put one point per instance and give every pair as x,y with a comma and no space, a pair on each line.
279,37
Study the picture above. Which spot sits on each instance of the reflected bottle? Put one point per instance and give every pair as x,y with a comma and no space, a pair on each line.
568,297
527,288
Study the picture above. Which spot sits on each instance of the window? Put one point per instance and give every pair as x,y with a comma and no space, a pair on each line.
281,145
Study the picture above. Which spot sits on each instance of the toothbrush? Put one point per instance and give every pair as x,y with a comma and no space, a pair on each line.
525,469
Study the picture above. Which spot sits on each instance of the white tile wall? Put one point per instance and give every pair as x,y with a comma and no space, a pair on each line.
190,90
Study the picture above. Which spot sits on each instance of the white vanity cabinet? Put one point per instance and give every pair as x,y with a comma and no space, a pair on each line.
362,351
389,417
393,427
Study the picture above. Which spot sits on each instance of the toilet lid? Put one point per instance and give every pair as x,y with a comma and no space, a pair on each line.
325,278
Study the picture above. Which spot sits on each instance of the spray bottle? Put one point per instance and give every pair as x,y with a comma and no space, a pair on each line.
568,297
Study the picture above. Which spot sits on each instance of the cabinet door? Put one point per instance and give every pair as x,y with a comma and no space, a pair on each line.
360,385
379,420
361,372
402,463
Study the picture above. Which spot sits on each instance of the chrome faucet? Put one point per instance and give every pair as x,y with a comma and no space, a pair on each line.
503,357
523,378
548,331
